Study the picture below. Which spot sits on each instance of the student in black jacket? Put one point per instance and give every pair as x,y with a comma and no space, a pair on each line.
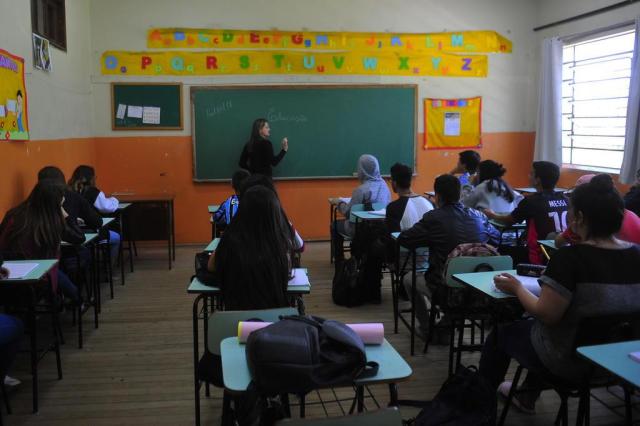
257,155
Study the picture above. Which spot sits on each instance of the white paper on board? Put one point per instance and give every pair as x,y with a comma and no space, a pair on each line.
2,111
151,115
11,105
452,124
134,111
121,110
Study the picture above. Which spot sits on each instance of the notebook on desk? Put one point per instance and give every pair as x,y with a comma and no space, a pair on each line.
299,277
19,270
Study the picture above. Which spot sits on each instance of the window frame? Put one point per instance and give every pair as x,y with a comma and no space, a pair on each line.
58,38
593,37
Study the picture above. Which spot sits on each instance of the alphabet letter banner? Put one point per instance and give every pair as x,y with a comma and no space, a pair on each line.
189,63
13,98
453,123
449,42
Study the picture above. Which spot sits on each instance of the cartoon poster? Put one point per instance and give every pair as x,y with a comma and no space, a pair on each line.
453,123
14,123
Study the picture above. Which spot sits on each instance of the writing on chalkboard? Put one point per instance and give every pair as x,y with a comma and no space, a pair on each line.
214,110
274,115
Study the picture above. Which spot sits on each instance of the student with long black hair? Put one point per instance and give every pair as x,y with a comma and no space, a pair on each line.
492,192
253,260
34,230
596,277
257,155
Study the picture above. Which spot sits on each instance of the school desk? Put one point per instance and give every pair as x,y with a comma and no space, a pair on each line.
614,357
392,369
106,221
118,215
528,190
504,228
36,277
153,203
214,227
483,282
333,218
213,245
397,277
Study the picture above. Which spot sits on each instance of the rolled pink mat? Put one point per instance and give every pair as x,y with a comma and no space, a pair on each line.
370,333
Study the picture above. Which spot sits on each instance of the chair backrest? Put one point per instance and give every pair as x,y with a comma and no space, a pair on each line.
466,264
360,207
223,324
385,417
605,329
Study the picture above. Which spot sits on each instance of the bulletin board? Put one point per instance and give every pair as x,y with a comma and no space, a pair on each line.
14,122
453,123
146,106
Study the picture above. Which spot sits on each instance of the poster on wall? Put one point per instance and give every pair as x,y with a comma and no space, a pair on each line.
453,123
41,53
14,123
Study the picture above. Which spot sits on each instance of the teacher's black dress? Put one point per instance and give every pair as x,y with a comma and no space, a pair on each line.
258,157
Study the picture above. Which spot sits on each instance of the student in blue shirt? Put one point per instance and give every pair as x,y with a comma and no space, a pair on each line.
466,168
229,207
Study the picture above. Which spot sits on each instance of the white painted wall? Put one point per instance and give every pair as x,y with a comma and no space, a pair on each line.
60,102
507,93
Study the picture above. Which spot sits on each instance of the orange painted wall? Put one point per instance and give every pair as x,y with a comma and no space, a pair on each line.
164,164
568,179
21,161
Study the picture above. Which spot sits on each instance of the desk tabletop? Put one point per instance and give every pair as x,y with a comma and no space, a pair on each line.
89,237
393,368
107,220
137,198
483,281
213,208
197,287
213,245
504,226
532,190
614,357
122,206
36,274
550,244
368,215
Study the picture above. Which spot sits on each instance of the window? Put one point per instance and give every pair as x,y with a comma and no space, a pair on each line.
48,21
595,88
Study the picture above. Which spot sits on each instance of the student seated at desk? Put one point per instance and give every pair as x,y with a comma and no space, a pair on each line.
466,171
229,207
596,277
632,198
11,330
83,181
492,192
629,231
253,261
372,189
442,230
545,211
34,230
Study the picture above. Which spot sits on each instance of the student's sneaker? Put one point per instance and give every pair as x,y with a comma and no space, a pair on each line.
520,401
11,381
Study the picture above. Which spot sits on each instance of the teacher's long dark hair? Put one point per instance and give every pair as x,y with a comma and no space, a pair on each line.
255,136
252,259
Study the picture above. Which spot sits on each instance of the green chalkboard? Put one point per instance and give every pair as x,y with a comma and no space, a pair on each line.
328,127
162,98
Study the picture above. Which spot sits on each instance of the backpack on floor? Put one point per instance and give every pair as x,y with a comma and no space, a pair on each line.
465,399
346,289
301,353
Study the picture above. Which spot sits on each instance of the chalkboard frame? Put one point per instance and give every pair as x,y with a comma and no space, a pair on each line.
114,127
194,89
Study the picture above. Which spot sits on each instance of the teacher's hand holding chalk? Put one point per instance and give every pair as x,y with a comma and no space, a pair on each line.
285,144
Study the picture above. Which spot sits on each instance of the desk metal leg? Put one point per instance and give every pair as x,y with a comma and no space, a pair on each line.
168,207
393,395
360,398
413,301
121,249
173,230
34,349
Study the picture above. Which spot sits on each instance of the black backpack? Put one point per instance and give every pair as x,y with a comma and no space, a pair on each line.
301,353
347,289
465,399
203,274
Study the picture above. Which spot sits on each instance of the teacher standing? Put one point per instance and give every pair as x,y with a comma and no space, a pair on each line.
257,155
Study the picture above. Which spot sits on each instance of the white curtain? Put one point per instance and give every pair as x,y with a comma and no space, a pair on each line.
631,158
549,126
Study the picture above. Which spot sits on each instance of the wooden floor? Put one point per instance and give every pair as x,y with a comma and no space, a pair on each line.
136,369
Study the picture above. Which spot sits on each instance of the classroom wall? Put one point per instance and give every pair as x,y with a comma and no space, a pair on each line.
162,161
59,103
553,10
